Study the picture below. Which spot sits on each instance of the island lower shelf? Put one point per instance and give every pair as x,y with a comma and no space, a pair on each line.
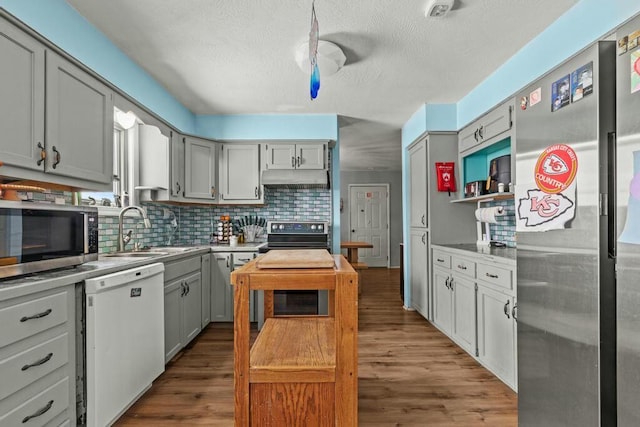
294,350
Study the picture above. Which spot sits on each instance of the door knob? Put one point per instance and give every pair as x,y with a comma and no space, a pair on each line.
353,231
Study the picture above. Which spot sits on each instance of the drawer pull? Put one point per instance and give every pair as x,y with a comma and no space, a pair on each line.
36,316
493,276
462,267
440,260
39,362
38,412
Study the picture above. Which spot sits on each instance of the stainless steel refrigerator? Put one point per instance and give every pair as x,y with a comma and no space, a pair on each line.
628,224
566,237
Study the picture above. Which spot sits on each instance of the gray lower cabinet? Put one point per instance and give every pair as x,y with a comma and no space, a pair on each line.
240,173
201,169
474,304
38,358
182,304
22,100
419,270
221,289
57,119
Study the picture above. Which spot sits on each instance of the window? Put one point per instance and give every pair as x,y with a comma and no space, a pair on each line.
124,135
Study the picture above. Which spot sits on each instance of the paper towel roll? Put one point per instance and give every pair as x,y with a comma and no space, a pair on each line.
489,214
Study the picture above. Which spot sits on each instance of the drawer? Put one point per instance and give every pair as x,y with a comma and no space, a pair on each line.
24,368
463,266
40,409
173,270
23,320
441,259
501,277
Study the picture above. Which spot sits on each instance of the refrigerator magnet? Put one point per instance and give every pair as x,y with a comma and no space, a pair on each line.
538,211
535,97
635,71
622,45
582,82
560,93
556,168
632,41
524,102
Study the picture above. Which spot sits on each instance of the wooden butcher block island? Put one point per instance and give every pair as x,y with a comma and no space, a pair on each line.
301,370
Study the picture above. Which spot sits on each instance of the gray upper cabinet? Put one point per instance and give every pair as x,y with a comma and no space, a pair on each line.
177,165
240,173
200,169
296,156
79,123
486,128
418,185
22,100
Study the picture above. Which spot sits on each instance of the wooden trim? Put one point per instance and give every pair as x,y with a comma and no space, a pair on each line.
241,332
293,375
268,305
301,281
346,300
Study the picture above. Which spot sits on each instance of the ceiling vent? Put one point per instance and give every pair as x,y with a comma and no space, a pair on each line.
438,8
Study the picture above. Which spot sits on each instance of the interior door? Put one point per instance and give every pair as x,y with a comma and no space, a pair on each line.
369,222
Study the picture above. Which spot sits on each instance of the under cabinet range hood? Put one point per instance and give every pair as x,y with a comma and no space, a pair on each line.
296,179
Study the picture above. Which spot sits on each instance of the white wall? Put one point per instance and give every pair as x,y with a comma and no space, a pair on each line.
394,179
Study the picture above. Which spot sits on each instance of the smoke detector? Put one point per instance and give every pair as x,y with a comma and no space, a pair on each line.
438,8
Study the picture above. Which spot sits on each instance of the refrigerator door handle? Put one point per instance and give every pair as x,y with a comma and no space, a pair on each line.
506,309
611,200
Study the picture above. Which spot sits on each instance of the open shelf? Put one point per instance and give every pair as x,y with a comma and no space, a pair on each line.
485,198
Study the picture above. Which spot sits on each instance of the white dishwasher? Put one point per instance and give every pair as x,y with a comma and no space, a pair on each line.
124,340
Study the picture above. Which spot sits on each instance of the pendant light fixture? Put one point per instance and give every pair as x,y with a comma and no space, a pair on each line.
314,34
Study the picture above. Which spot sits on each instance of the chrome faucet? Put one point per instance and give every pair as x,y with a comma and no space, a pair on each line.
121,235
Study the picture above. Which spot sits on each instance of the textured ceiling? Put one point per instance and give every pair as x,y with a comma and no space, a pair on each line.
237,57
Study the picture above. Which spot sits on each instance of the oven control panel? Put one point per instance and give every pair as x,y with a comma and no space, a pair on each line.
302,227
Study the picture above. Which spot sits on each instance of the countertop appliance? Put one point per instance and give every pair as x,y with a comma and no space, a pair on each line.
298,235
124,340
37,237
566,316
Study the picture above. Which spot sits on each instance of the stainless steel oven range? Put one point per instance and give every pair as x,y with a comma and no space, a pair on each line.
298,235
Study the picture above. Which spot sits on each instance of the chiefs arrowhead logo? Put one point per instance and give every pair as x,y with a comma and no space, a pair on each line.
554,165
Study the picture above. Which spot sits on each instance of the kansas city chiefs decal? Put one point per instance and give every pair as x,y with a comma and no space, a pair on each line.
542,211
556,168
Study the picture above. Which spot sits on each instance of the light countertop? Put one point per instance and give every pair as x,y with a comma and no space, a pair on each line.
507,254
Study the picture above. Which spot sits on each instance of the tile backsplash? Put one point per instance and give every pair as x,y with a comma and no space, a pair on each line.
193,225
505,229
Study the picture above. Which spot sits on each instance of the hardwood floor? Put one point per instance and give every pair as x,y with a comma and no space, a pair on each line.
410,374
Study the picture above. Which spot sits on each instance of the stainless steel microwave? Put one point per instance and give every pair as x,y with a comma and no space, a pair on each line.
38,237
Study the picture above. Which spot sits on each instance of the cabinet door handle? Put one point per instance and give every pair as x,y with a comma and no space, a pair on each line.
256,192
514,312
506,309
37,316
43,154
446,283
451,284
481,132
39,412
178,187
38,363
424,237
298,161
462,267
57,157
440,260
293,161
188,288
475,135
493,276
422,220
227,261
213,192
